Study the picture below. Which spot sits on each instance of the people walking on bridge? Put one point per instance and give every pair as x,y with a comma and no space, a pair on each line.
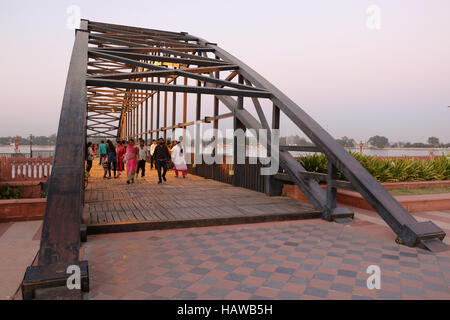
112,158
131,161
120,154
102,151
152,151
178,160
161,157
89,158
144,155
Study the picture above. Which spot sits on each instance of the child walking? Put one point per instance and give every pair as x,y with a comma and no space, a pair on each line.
105,165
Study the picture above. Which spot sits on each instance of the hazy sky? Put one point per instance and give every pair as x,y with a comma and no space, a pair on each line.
355,81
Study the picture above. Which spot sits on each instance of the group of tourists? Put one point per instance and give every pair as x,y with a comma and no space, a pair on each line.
126,155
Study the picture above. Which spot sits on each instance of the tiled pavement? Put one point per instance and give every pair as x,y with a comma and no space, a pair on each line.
285,260
371,220
277,260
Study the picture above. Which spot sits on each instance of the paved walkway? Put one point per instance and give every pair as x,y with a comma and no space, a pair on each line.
304,259
371,221
19,243
277,260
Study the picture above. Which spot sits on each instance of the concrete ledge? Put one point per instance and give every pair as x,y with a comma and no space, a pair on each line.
22,209
22,183
413,203
416,185
53,276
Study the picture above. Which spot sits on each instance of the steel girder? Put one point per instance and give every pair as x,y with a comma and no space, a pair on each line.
101,100
409,230
128,71
148,50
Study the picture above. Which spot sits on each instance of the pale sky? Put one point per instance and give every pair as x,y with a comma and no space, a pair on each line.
353,80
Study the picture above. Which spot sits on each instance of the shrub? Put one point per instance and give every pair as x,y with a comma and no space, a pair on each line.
8,192
388,170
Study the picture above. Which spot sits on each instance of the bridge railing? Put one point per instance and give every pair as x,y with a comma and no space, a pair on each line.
24,169
246,175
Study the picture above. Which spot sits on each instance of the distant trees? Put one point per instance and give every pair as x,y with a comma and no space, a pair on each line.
347,142
379,141
416,145
433,141
44,141
8,140
38,140
294,140
376,141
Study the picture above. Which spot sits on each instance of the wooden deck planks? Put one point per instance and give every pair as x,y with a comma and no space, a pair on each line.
112,205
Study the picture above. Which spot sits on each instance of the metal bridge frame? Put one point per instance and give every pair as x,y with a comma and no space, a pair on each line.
118,74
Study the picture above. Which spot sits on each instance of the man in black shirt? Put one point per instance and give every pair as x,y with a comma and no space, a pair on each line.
161,156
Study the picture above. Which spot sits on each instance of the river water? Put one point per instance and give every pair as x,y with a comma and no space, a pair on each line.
24,148
372,152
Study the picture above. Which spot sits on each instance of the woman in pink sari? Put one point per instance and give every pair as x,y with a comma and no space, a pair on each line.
131,161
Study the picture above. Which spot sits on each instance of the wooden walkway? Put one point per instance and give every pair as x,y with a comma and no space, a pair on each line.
113,206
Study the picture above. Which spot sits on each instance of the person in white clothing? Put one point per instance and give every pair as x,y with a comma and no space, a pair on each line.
178,160
152,151
142,158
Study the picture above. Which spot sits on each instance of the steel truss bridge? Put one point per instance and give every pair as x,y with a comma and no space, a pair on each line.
115,84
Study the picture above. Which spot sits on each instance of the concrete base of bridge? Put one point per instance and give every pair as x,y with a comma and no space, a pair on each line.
48,281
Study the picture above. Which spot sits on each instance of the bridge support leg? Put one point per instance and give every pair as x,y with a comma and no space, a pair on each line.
55,276
236,181
237,124
331,190
334,213
83,233
274,187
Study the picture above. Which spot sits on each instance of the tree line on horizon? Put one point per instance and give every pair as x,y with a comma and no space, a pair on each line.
383,142
375,141
36,140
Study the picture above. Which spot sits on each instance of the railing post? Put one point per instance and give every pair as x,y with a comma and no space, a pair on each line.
165,114
216,127
158,104
273,187
237,124
331,190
